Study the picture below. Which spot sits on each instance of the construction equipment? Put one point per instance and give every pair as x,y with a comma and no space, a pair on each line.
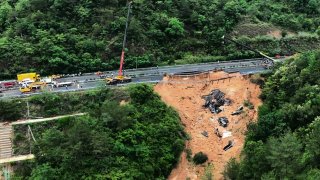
267,63
32,87
121,78
55,76
28,77
30,82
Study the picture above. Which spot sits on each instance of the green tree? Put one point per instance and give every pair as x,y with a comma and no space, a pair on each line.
175,27
44,172
284,155
11,110
312,139
232,169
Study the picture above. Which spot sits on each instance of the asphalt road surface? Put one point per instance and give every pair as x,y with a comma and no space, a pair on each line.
140,75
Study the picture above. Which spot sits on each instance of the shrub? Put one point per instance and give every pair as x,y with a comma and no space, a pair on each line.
200,158
248,104
257,81
284,33
231,170
189,154
208,173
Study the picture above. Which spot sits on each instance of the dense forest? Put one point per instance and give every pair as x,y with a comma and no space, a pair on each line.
71,36
284,143
127,134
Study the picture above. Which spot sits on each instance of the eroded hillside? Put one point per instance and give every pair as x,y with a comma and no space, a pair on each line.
185,95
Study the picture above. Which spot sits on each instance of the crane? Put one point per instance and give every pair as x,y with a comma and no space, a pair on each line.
268,62
121,78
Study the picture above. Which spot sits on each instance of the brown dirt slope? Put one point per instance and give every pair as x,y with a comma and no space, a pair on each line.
184,94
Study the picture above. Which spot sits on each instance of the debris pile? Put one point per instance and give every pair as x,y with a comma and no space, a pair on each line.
238,111
217,132
223,121
214,100
229,145
205,133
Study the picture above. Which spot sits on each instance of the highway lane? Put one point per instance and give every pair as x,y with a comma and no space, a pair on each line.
153,74
172,69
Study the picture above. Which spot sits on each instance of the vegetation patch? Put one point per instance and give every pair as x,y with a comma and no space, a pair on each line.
200,158
142,139
248,104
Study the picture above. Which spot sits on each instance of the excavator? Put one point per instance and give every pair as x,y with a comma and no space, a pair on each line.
268,61
30,82
121,78
32,87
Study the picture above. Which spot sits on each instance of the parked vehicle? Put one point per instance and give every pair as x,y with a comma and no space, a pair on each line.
7,84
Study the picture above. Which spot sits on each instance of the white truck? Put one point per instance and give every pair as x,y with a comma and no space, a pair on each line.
62,84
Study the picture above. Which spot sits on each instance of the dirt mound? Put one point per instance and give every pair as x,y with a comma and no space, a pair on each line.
185,95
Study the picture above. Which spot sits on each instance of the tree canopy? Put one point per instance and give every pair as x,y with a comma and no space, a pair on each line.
86,36
138,140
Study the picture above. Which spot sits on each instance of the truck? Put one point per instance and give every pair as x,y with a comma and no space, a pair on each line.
28,78
47,80
7,84
62,84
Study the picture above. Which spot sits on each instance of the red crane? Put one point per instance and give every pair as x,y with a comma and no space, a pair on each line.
121,78
124,40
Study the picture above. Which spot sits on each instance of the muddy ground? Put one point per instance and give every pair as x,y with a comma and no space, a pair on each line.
184,94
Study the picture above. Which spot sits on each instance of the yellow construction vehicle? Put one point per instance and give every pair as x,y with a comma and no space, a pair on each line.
30,82
118,80
121,78
32,87
55,76
28,77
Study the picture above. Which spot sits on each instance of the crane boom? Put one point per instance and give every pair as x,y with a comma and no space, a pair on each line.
121,78
124,41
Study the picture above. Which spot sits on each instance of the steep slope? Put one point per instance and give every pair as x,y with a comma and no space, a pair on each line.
185,97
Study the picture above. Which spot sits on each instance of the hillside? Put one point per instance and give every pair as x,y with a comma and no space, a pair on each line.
127,134
54,36
284,143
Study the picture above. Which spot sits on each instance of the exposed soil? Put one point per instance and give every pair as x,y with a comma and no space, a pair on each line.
277,33
263,29
184,94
